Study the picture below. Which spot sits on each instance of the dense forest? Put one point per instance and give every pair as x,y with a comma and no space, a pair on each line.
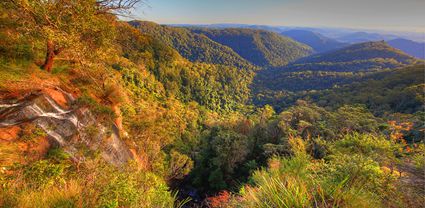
329,71
192,46
356,57
260,47
100,112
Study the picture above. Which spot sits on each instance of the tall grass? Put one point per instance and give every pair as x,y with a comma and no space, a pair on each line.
96,184
286,191
299,181
65,196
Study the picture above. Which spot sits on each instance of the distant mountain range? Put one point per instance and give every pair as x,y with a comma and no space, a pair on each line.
315,40
410,47
326,39
359,37
331,32
321,43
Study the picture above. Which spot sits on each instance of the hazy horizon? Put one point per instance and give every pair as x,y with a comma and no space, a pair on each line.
384,15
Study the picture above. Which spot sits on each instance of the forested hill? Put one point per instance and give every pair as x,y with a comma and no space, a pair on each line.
337,67
362,56
192,46
399,90
391,90
95,112
262,48
315,40
282,86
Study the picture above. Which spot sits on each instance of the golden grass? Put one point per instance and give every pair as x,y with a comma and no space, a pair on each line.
69,195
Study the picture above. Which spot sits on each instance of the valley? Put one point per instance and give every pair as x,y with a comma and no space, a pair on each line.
100,111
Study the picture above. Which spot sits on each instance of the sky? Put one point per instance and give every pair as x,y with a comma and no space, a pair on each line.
396,15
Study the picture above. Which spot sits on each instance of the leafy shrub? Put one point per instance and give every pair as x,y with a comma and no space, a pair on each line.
419,157
223,151
45,173
367,145
102,111
345,179
180,165
58,155
119,192
32,132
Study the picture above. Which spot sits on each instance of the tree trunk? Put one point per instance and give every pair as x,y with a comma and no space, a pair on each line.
50,55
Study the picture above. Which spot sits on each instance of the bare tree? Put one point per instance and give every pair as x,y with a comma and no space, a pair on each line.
116,7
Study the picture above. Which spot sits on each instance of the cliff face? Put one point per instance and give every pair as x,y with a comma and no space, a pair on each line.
64,124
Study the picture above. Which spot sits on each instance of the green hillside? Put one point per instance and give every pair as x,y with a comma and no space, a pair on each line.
282,86
399,90
276,79
207,84
262,48
357,57
194,47
396,90
100,112
326,70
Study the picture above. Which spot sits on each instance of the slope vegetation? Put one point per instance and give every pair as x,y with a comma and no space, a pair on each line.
281,87
357,57
192,46
342,66
399,90
262,48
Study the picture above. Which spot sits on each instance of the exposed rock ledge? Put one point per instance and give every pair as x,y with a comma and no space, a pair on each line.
66,125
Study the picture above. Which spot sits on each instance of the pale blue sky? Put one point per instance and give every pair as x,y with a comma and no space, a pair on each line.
407,15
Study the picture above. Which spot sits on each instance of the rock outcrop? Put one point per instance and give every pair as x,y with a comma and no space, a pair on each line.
66,125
